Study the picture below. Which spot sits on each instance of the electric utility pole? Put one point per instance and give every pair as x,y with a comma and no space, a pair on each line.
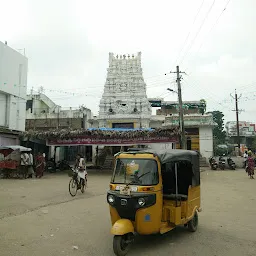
237,120
182,128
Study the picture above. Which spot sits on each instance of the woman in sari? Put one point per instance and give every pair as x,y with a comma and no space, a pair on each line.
40,164
250,165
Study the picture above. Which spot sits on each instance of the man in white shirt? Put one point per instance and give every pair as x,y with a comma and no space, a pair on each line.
30,165
24,161
80,165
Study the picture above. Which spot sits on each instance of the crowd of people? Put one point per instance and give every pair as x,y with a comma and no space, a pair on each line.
32,165
35,165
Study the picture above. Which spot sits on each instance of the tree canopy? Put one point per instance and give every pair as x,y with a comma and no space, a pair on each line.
219,134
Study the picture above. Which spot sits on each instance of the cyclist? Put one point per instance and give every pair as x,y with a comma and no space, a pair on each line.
81,167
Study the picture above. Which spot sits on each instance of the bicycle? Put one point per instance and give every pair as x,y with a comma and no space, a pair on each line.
74,183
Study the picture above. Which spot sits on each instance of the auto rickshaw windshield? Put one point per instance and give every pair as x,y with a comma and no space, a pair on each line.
143,172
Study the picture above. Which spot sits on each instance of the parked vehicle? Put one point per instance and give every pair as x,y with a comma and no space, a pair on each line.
153,192
10,165
62,165
213,163
50,166
222,163
231,163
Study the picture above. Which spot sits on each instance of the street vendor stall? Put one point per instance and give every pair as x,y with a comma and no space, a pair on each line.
10,160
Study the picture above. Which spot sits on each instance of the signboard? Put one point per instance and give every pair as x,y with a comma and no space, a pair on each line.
83,140
123,125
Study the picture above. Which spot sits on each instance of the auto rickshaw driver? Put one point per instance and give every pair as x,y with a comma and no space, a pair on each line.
141,177
137,199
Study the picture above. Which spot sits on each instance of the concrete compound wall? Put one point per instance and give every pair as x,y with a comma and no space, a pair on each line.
206,141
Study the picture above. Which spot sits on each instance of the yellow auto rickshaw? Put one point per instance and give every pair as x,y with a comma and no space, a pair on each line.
153,192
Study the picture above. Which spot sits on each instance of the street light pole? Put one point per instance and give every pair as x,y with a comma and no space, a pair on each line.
181,117
237,121
183,144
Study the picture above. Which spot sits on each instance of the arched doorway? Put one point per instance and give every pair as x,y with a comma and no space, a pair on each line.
189,143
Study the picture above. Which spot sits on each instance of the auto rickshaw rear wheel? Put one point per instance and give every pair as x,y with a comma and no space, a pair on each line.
121,244
192,224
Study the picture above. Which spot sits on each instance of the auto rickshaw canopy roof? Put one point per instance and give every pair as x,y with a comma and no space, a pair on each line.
170,155
175,155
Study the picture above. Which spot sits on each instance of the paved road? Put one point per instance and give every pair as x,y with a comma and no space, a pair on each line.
39,218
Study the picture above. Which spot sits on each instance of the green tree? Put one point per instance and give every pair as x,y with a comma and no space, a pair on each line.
219,134
202,106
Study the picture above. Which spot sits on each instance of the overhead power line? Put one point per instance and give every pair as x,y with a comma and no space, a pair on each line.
214,25
198,31
183,45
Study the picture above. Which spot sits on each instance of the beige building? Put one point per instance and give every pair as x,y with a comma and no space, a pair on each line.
43,114
198,124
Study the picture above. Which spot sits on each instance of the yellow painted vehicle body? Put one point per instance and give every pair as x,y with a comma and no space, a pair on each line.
153,192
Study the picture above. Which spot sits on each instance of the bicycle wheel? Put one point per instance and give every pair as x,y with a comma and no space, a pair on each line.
72,187
84,185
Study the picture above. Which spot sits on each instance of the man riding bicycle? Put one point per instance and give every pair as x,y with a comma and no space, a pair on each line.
81,167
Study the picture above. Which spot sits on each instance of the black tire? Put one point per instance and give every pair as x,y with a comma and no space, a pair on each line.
72,187
84,186
120,246
193,224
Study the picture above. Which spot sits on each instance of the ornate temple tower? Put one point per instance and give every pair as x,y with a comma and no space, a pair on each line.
124,102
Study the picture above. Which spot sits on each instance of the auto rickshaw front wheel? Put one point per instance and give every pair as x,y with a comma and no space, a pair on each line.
193,223
121,244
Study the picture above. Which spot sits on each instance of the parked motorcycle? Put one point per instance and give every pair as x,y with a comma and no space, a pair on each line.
213,163
231,163
50,166
63,165
222,163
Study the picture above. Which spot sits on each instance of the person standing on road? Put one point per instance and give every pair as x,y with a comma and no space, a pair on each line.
40,165
30,165
250,165
24,161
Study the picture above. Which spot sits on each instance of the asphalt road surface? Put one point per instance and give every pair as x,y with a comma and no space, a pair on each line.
40,218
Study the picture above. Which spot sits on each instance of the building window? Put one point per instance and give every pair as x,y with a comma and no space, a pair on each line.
29,105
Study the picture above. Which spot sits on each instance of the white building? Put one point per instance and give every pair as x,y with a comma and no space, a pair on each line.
247,133
198,124
13,87
124,103
43,114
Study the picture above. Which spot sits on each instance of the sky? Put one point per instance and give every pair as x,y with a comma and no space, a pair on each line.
67,44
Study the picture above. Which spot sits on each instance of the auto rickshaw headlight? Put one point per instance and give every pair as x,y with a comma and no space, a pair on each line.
141,202
111,199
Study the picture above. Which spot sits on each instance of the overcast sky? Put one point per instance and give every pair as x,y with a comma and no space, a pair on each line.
67,44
